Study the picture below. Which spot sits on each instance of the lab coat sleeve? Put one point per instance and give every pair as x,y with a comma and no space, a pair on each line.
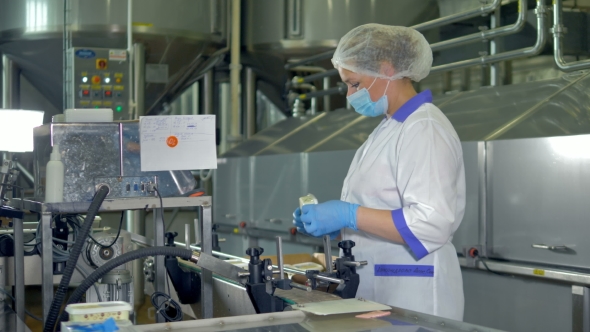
428,160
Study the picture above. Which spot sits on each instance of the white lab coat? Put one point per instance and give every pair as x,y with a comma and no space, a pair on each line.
411,164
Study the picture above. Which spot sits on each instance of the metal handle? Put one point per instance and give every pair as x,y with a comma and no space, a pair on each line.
294,19
357,264
274,220
548,247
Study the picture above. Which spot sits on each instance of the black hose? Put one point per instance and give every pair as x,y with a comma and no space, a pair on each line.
117,261
62,289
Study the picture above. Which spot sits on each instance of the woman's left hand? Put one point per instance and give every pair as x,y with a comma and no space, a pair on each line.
328,217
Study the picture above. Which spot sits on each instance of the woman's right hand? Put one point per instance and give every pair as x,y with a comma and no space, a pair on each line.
301,229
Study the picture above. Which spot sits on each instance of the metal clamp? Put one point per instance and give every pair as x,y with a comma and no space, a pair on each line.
548,247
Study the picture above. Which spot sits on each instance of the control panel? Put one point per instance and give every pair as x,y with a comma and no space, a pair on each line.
99,78
128,186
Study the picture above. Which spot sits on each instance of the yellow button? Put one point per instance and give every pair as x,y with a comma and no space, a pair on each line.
118,80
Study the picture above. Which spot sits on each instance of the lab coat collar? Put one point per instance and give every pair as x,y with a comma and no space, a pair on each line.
411,105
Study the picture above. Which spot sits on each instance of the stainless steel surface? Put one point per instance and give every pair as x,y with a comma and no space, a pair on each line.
19,272
9,321
540,11
280,257
159,266
220,267
558,31
399,320
540,204
173,33
457,17
580,309
484,35
10,83
96,150
47,263
319,24
207,249
328,254
136,228
123,204
250,102
299,286
535,271
187,236
139,80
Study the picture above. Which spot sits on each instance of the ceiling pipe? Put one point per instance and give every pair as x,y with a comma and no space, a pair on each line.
558,31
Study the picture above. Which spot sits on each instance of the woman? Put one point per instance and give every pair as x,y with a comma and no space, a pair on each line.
404,195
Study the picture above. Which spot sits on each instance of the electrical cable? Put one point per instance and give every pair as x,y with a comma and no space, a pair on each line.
60,294
120,260
474,253
85,274
163,306
116,237
14,300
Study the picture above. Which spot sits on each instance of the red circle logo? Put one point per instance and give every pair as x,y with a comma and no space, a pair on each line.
172,141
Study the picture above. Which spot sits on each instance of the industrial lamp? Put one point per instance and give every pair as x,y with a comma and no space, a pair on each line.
16,135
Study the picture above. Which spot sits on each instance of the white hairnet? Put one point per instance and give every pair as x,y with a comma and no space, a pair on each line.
363,50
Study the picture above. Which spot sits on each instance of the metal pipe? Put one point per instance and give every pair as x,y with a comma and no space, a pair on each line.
482,11
326,86
25,173
132,105
486,34
19,271
135,223
328,279
280,256
10,83
494,23
139,80
332,91
328,254
299,286
540,11
235,68
558,31
250,102
314,77
317,57
208,92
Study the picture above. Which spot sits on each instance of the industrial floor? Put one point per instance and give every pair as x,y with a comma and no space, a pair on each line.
33,303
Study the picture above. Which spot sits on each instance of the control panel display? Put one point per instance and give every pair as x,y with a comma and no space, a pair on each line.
99,79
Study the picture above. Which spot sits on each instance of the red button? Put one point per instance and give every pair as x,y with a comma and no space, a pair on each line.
96,79
108,93
86,93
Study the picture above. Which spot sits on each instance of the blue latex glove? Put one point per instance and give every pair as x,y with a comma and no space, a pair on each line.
328,217
301,228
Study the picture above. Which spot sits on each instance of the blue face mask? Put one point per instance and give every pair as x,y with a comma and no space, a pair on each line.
363,105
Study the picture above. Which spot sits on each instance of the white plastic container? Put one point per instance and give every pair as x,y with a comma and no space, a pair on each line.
89,115
307,199
99,311
54,177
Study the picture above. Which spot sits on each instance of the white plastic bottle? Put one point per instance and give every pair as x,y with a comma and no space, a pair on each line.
54,177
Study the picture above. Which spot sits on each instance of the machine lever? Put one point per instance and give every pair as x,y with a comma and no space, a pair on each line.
548,247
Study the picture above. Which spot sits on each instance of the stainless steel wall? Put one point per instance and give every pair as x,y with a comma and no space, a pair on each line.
173,32
304,26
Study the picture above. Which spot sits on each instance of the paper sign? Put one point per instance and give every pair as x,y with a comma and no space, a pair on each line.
177,142
118,55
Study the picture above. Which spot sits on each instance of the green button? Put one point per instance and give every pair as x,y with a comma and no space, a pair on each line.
96,106
119,108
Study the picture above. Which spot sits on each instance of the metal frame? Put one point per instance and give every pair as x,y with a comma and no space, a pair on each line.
110,205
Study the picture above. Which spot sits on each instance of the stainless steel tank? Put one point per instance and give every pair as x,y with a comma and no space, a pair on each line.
307,26
173,32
